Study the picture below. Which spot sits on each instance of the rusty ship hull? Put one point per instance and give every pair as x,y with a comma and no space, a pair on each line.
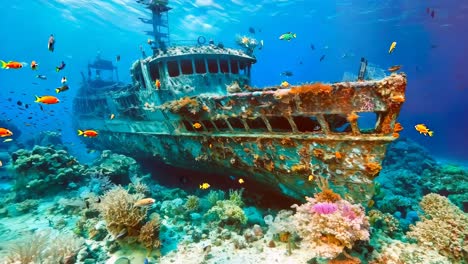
294,139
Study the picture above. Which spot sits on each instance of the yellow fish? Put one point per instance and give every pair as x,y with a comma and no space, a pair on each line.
204,186
392,47
422,129
197,125
285,84
241,181
311,177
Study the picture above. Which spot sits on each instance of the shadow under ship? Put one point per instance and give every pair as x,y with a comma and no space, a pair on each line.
205,116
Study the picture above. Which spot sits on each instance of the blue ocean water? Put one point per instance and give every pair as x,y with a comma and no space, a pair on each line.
431,47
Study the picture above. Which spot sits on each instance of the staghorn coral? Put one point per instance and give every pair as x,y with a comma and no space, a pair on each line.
443,227
328,233
118,210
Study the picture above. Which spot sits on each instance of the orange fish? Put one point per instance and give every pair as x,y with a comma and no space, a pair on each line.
144,202
11,65
394,68
5,132
197,125
157,83
422,129
47,99
34,65
87,133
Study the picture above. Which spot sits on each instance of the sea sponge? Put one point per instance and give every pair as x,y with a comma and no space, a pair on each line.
443,227
328,233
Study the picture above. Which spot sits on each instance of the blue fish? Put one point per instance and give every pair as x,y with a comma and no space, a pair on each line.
146,261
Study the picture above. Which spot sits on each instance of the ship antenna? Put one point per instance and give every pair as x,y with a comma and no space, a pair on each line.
160,35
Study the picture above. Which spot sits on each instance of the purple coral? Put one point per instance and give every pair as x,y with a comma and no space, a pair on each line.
324,208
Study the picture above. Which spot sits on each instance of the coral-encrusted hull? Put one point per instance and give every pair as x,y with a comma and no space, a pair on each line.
274,161
291,139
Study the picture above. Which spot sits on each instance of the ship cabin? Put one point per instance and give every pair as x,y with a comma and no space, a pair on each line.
189,71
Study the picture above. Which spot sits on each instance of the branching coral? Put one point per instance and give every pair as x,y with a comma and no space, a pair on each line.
118,210
444,227
149,234
45,247
328,228
192,203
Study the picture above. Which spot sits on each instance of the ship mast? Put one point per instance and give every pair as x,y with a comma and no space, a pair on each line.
160,19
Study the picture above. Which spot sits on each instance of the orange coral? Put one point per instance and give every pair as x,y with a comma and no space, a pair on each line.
397,128
397,99
352,117
338,155
327,195
373,168
319,153
314,88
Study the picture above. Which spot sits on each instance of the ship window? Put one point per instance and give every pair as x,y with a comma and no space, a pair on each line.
279,124
235,67
236,123
200,66
212,66
208,125
367,122
307,124
223,64
256,123
173,68
338,123
221,124
186,66
243,68
154,71
188,126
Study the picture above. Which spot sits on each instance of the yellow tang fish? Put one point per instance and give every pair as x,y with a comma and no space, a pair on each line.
285,84
204,186
392,47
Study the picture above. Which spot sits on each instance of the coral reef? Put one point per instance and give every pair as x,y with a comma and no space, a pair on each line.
447,180
45,247
119,168
44,171
328,228
399,252
443,227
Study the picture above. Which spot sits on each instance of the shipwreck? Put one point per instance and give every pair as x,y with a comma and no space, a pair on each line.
193,106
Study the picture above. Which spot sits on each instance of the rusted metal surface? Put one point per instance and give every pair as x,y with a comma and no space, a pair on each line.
286,138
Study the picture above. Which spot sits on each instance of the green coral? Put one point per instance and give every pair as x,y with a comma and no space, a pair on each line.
235,196
449,180
192,203
227,212
215,196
